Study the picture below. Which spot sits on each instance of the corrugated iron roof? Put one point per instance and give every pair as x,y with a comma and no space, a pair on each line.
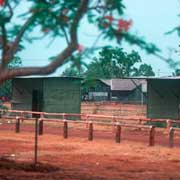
154,77
123,84
30,77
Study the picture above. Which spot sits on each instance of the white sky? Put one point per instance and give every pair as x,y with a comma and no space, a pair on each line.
151,19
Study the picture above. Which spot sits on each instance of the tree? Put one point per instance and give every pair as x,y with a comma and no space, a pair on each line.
59,18
144,70
76,67
72,72
116,63
172,63
176,73
6,87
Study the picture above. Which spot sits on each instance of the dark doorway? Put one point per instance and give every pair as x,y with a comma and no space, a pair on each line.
36,102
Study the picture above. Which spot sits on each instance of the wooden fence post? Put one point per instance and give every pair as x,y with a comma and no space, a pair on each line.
118,133
36,142
168,124
22,115
171,137
41,125
65,132
113,124
87,124
152,136
90,135
17,124
140,121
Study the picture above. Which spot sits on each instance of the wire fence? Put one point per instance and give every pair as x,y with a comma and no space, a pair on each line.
18,118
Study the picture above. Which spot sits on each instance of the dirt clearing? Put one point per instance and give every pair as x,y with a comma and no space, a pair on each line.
76,158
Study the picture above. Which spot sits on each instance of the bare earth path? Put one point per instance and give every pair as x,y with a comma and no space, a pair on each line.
76,158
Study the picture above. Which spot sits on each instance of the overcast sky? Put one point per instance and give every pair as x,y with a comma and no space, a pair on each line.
151,19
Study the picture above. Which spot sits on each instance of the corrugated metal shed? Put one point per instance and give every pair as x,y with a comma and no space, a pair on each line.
122,84
56,94
163,97
121,90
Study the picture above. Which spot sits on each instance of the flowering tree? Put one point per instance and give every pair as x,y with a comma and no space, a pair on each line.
59,18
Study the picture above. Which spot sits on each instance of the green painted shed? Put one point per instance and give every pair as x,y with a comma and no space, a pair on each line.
163,98
48,94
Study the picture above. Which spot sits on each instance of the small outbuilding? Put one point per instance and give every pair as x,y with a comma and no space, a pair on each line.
121,90
48,94
163,97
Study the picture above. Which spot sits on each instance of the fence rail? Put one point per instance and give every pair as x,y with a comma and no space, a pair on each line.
171,136
39,124
87,117
20,115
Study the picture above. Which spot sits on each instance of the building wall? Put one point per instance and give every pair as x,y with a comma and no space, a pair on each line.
22,92
58,94
137,96
163,99
61,95
131,97
114,108
95,90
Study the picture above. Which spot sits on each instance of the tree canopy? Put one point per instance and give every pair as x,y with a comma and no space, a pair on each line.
59,18
116,63
112,63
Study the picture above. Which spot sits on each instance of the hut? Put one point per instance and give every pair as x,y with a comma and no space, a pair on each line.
124,90
48,94
163,97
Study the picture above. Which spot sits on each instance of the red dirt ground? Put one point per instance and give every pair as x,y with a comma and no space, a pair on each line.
76,158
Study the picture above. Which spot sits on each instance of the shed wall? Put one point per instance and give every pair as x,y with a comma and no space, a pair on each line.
22,92
61,95
163,99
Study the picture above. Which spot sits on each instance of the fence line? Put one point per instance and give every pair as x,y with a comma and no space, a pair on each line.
87,117
113,123
171,136
20,115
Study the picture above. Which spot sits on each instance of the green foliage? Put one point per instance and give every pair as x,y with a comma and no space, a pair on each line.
72,72
55,17
116,63
133,39
144,70
176,29
76,66
16,62
6,87
176,72
111,63
62,19
172,63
